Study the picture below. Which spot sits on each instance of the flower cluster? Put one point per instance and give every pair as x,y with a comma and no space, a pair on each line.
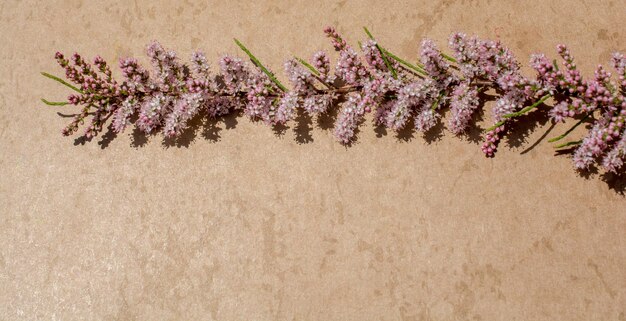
169,95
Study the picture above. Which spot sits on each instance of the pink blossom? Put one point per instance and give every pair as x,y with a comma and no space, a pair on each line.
614,159
349,67
349,117
593,144
185,108
316,104
260,103
492,138
373,56
425,120
169,71
410,98
137,78
462,105
435,65
121,117
322,63
561,111
287,107
301,79
235,74
152,112
336,39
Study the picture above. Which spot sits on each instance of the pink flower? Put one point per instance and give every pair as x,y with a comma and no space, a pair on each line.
593,144
137,78
169,71
373,56
336,39
185,108
260,102
121,117
561,111
152,112
410,99
492,138
235,74
509,103
301,79
349,117
287,107
463,104
425,120
318,103
222,105
350,68
200,65
321,62
435,65
614,159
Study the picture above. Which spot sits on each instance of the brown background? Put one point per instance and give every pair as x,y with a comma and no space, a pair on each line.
236,223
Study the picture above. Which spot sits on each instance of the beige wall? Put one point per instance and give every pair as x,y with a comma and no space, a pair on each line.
238,224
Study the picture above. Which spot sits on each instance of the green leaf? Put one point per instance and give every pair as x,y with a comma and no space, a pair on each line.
306,64
55,78
568,144
54,103
448,58
382,54
405,63
258,63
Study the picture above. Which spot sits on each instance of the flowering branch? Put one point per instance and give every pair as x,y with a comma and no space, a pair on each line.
368,80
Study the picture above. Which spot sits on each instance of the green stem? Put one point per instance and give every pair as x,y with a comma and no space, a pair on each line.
258,63
529,108
45,74
569,130
496,125
578,142
54,103
519,113
382,54
405,63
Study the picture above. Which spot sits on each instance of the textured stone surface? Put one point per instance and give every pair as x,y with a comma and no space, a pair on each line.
234,223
